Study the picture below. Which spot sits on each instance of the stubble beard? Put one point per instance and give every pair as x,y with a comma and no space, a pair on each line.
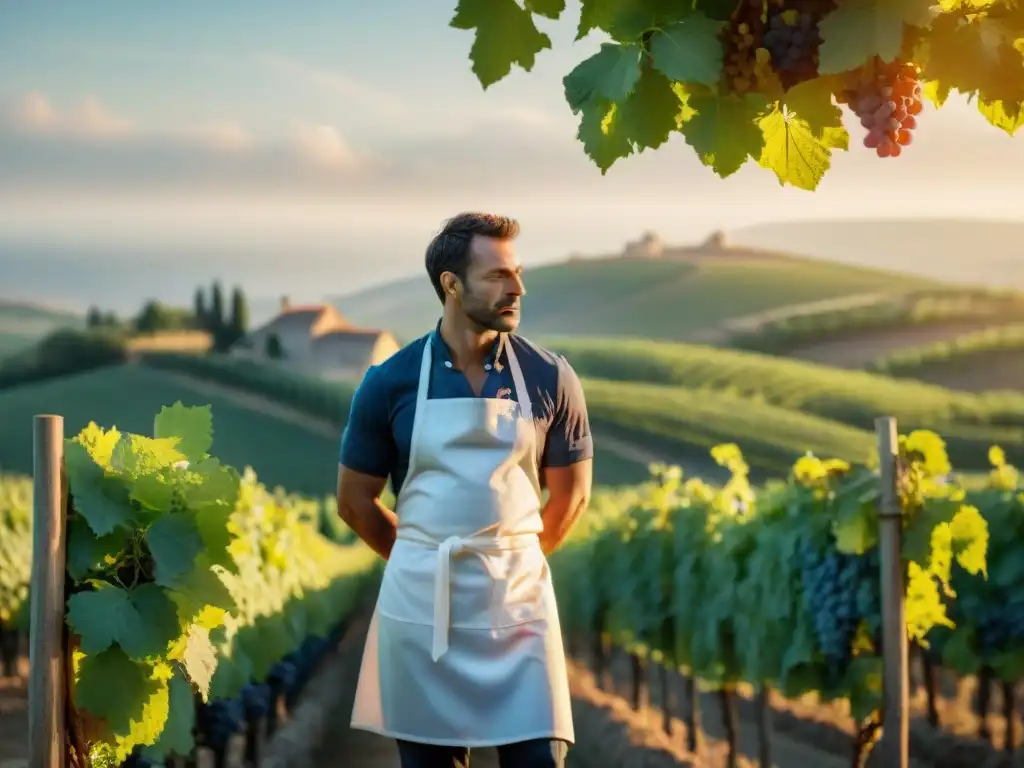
492,320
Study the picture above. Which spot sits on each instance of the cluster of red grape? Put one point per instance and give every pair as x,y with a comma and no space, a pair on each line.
887,98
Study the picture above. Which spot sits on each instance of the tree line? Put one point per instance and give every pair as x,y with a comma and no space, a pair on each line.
226,325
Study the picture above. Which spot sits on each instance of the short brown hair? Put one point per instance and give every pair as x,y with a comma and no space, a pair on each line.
449,250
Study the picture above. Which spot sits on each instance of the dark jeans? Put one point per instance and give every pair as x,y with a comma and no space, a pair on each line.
539,753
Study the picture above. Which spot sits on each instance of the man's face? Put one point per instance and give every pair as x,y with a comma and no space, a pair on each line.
494,285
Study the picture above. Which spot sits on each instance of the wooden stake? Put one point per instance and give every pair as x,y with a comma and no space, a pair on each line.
730,720
693,718
638,681
894,745
764,725
46,688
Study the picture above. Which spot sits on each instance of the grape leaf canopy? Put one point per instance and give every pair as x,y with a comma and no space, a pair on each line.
763,81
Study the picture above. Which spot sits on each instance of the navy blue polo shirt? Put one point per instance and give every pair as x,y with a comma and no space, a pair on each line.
378,434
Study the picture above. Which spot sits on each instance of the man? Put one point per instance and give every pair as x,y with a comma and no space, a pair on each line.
470,422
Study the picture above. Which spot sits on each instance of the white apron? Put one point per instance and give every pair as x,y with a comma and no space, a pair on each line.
464,647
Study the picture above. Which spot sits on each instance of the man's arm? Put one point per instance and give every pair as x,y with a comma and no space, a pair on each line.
360,507
368,454
568,462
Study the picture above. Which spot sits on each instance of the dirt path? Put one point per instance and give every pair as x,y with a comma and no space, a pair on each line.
861,349
609,732
14,719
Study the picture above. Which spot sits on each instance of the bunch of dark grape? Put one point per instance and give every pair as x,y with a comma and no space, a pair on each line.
887,98
793,39
839,592
309,655
256,700
136,760
221,719
284,675
996,614
740,40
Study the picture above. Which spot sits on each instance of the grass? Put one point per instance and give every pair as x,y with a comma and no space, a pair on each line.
660,299
851,397
964,348
331,401
918,309
130,396
677,423
22,324
11,343
970,422
1001,369
685,424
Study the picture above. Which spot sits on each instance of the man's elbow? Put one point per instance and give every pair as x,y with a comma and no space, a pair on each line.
346,511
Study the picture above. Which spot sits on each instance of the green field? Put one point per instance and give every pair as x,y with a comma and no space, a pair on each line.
650,298
129,397
23,324
685,424
702,375
851,397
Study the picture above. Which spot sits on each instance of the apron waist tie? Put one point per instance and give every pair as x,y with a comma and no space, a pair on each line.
481,546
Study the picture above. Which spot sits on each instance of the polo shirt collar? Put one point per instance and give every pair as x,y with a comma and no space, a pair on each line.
443,354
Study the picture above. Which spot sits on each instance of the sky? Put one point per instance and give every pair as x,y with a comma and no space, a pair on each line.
331,131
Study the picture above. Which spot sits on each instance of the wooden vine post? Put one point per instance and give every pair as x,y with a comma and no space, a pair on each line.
894,746
47,683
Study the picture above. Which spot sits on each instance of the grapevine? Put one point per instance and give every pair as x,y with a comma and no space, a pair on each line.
760,80
15,566
781,586
185,579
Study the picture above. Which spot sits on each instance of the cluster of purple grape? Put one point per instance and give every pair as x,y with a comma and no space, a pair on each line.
792,38
221,719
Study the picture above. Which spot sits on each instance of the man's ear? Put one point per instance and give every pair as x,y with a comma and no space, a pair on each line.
451,284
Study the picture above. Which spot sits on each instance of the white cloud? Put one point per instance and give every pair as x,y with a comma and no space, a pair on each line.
339,84
36,113
323,146
89,118
225,136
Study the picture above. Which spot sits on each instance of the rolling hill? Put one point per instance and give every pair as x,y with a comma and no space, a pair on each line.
21,324
682,295
982,252
128,397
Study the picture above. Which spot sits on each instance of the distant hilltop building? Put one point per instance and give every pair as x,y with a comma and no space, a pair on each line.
315,340
650,246
717,241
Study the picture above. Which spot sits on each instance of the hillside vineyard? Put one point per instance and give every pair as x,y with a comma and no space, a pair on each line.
770,586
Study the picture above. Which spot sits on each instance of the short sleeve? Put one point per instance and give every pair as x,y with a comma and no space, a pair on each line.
367,444
569,440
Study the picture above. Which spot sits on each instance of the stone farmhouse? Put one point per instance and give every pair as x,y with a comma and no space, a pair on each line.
315,340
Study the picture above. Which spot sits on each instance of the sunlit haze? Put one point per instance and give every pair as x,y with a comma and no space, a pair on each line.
235,138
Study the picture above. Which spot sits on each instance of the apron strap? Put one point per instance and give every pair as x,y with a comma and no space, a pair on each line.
423,387
522,393
422,390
